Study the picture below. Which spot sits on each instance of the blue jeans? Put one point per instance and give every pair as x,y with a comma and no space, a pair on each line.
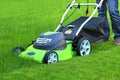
114,16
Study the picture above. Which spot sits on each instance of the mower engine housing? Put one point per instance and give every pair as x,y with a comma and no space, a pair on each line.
50,41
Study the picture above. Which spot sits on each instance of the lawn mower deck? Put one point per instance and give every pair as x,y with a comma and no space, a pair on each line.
51,44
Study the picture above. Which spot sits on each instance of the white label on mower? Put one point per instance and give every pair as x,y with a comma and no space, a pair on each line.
43,40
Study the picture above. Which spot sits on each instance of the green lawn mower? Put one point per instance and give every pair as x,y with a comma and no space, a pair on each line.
66,41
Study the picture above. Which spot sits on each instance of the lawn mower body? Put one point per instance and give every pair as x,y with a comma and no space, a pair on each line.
49,42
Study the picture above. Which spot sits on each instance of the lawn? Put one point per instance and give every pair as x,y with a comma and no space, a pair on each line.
22,21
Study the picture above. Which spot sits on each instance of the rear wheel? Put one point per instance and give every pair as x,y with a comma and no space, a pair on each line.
83,47
51,57
17,50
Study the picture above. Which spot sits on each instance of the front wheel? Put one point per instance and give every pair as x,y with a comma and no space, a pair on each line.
17,50
51,57
83,47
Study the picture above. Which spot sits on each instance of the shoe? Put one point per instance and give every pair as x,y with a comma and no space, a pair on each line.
117,42
101,40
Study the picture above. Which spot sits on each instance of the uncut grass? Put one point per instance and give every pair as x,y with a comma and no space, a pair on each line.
22,21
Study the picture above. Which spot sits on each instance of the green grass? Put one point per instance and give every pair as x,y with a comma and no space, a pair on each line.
22,21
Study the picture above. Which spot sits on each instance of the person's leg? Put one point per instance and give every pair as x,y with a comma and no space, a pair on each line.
102,12
115,17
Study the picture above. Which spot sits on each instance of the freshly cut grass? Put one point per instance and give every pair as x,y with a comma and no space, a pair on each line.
22,21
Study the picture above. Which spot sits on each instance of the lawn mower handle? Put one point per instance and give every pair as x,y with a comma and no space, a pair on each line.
76,4
69,7
95,10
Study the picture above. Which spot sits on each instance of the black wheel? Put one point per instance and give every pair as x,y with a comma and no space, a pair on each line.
51,57
17,50
83,47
